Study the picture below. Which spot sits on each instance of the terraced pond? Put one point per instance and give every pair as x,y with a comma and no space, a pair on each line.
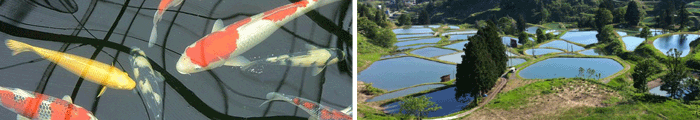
632,42
428,40
541,51
443,98
412,30
458,46
680,42
583,37
403,92
568,67
403,72
562,45
431,52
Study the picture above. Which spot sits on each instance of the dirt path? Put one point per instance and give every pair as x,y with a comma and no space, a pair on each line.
654,83
626,68
491,95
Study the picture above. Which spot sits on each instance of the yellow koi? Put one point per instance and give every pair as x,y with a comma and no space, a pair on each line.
91,70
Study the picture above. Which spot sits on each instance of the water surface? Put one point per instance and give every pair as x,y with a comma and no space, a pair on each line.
562,45
414,46
680,42
460,37
404,92
569,67
632,42
432,52
591,52
427,40
412,30
403,72
458,46
515,61
454,58
443,98
394,55
413,35
583,37
541,51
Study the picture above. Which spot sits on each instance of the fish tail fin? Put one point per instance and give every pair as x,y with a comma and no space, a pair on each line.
17,46
317,70
274,96
177,2
154,35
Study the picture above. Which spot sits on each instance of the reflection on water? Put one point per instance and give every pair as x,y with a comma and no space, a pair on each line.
403,92
680,42
568,67
431,52
403,72
443,98
583,37
105,31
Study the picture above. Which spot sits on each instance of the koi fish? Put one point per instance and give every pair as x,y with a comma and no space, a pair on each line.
164,5
224,45
149,82
91,70
318,59
315,110
35,106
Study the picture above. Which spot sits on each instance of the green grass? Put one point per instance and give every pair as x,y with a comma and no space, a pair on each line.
368,52
519,97
669,109
370,113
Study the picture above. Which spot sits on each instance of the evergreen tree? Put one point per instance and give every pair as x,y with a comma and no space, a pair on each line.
619,15
642,71
424,17
683,17
645,32
522,37
522,24
544,15
603,17
405,19
484,60
541,37
634,13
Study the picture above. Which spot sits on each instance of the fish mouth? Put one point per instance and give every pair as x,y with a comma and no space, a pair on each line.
185,66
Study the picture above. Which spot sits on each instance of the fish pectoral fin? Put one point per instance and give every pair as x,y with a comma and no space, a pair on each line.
20,117
237,61
67,98
102,91
218,26
347,111
317,70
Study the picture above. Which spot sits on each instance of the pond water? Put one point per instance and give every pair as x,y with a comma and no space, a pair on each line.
632,42
412,30
460,32
432,52
506,40
394,55
403,72
658,91
402,93
454,58
443,98
532,30
415,46
568,67
460,37
680,42
509,54
541,51
654,32
562,45
583,37
453,27
591,52
567,54
433,26
515,61
428,40
458,46
622,34
222,93
413,35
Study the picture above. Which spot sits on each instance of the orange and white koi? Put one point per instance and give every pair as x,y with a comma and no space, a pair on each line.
224,45
164,5
91,70
315,110
36,106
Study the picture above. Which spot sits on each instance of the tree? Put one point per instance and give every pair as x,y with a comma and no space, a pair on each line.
424,17
366,27
384,38
607,4
522,24
677,72
522,37
683,16
541,37
603,17
645,32
606,34
644,70
483,61
668,19
634,13
619,14
418,106
405,19
544,15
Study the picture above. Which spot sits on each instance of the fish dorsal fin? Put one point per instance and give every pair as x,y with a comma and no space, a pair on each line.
347,111
317,70
218,26
102,91
237,61
20,117
67,98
